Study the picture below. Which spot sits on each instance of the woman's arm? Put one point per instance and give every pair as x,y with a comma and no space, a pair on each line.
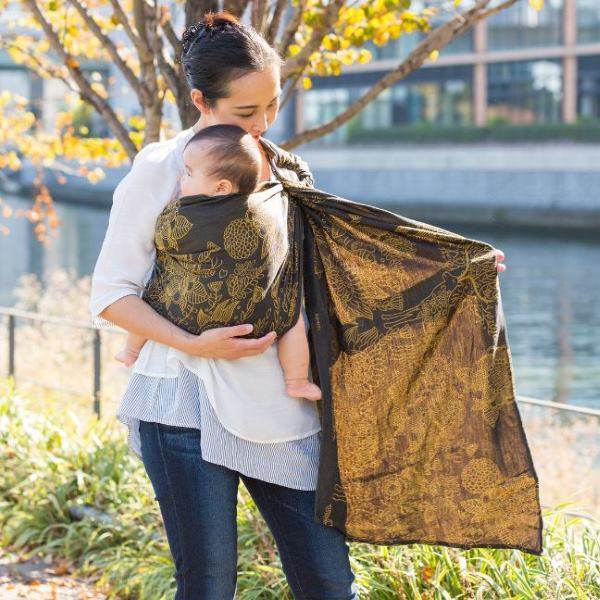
127,257
133,314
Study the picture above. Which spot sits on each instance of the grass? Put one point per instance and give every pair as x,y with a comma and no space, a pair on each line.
51,462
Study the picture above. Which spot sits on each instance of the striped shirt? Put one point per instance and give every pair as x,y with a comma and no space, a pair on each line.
182,401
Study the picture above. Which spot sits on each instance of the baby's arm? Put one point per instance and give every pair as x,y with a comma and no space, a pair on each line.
130,352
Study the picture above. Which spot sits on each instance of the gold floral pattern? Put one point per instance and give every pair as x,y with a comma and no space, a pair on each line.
422,438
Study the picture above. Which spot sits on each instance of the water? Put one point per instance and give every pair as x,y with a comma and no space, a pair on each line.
550,293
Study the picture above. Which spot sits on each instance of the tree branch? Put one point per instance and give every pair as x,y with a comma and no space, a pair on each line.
86,90
51,70
170,34
236,7
291,89
139,87
290,29
124,21
259,14
278,13
439,38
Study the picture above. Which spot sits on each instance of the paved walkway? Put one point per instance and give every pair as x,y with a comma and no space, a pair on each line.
40,579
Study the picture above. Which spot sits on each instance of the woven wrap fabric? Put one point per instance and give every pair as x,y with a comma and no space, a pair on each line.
224,260
422,438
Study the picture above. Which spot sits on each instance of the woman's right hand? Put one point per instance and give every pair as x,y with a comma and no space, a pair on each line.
221,342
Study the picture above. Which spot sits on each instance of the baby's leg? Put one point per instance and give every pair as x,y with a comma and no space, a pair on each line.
294,357
130,352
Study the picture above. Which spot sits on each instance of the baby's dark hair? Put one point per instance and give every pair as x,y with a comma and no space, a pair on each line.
232,154
219,49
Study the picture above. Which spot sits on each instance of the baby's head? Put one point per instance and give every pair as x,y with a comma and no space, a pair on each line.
220,159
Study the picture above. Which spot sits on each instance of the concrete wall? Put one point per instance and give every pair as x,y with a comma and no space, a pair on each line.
551,184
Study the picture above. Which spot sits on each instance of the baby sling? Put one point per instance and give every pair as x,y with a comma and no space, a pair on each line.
422,438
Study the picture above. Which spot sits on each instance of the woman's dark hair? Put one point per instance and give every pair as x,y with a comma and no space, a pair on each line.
232,154
219,49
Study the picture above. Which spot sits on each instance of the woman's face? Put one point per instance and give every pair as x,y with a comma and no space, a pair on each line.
253,102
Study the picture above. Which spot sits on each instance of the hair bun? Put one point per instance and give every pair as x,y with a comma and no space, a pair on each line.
210,23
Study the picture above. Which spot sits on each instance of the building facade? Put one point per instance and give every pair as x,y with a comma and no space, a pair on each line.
520,66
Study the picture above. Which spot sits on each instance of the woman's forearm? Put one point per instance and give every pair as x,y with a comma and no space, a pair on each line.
138,317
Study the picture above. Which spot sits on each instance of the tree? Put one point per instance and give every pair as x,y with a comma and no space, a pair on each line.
64,39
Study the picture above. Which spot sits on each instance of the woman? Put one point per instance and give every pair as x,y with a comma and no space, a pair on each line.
254,431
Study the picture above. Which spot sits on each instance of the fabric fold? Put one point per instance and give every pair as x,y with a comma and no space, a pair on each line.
422,438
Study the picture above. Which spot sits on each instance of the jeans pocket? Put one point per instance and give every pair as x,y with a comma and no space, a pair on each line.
179,439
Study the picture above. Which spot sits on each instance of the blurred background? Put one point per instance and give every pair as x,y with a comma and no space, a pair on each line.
497,138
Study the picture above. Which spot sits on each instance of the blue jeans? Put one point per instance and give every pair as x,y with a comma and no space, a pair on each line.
198,502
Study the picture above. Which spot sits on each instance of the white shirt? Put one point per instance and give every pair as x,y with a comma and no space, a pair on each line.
247,394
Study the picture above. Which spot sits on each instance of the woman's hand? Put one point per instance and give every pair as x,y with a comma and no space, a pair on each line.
499,258
221,342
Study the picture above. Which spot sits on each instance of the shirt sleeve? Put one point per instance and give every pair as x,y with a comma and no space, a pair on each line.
127,254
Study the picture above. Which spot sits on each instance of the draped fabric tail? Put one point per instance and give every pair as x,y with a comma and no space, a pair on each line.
422,437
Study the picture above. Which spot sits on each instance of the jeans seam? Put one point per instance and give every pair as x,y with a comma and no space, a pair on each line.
169,485
283,543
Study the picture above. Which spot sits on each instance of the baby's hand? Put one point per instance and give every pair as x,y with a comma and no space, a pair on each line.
127,356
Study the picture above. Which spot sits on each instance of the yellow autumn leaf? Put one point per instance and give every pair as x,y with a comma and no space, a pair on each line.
364,56
307,83
434,55
536,4
137,122
169,96
328,42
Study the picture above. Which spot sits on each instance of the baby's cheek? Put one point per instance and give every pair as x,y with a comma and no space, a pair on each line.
183,188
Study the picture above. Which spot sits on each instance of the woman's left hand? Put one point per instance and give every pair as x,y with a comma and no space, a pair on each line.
499,258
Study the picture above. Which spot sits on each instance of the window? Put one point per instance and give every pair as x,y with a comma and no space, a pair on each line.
322,105
588,21
521,26
15,81
434,95
401,47
588,87
525,91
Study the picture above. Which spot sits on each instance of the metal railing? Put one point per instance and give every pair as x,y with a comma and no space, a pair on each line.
14,313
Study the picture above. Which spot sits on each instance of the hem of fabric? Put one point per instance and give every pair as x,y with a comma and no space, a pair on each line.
209,394
97,306
155,375
277,441
131,422
123,418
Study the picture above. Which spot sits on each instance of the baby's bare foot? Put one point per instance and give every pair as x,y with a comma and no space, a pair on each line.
127,357
302,388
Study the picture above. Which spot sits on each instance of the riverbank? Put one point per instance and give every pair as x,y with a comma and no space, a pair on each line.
548,184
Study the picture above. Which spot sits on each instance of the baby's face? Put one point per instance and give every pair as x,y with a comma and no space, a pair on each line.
195,180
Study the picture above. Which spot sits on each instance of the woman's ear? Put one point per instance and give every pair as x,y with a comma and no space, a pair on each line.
198,100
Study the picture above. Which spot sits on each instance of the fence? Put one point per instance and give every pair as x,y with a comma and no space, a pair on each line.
13,313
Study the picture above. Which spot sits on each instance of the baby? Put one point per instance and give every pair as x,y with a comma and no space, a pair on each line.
205,174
